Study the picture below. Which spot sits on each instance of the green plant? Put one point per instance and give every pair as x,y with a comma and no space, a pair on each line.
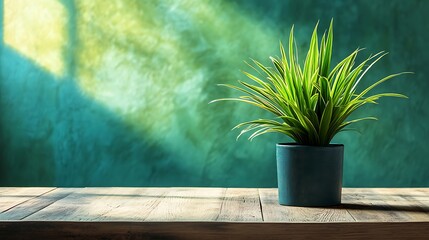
312,103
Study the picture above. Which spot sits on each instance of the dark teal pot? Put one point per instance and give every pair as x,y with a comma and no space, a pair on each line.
309,175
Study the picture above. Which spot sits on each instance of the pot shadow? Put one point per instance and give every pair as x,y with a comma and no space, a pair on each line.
383,207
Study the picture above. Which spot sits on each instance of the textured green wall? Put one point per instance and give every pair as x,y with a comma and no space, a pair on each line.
97,94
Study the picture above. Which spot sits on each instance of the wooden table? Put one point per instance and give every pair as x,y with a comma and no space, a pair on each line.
208,213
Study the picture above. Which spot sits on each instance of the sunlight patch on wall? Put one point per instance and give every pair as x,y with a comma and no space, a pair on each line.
156,64
125,62
37,30
140,58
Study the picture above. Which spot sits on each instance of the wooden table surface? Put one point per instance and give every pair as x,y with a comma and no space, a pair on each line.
197,213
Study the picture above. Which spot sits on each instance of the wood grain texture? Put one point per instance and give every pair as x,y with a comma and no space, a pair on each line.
84,204
6,189
274,212
384,205
213,230
12,197
133,204
189,204
241,204
35,204
420,201
418,194
206,204
208,213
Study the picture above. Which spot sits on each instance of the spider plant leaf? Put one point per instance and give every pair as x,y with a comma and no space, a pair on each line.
380,82
291,52
257,80
350,130
326,51
325,122
313,102
259,122
311,62
278,66
345,124
382,54
284,58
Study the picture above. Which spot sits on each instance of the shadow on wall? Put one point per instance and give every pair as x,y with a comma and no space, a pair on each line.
53,135
117,94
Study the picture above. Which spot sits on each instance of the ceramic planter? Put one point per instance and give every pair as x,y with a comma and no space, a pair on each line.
309,175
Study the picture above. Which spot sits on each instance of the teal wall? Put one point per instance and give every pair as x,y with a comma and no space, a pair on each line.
97,94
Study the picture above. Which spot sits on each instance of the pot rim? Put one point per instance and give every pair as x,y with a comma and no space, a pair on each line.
297,145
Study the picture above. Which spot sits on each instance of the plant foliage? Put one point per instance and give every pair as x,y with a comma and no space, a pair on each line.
312,102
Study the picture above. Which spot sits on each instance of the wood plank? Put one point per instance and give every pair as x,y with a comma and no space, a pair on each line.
15,196
213,230
241,205
403,201
274,212
418,194
421,199
135,204
35,204
84,204
406,201
189,204
383,205
6,189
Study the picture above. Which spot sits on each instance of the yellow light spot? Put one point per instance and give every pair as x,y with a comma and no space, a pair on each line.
37,30
140,58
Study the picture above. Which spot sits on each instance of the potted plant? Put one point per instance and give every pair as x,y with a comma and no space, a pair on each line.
312,102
